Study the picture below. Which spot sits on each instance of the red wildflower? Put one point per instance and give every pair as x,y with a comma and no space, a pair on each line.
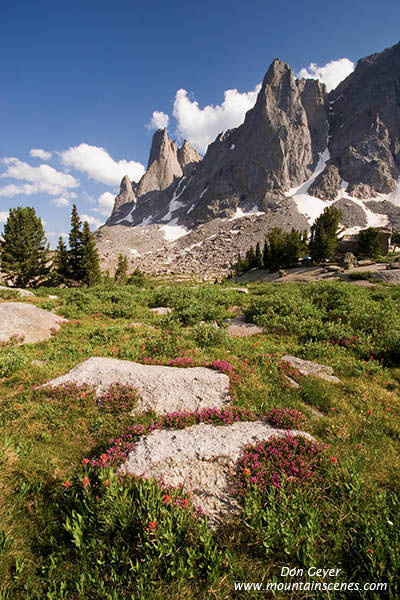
83,394
103,457
246,471
166,499
107,482
67,483
185,502
333,459
332,408
86,481
151,526
387,409
370,551
370,412
85,461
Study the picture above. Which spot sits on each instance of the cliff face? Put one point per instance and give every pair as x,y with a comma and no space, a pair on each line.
364,119
298,150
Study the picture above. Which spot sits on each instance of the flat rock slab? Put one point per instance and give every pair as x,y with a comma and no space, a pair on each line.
27,321
307,367
162,389
390,276
201,458
239,328
161,310
21,292
242,290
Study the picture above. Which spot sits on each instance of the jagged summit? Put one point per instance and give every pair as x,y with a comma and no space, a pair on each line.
298,150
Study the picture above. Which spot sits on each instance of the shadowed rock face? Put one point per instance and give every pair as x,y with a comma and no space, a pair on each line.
365,124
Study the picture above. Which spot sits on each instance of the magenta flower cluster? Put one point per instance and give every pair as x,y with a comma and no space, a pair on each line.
285,418
119,398
223,366
271,463
180,361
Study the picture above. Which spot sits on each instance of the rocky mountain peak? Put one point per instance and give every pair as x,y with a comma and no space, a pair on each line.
188,157
126,195
163,166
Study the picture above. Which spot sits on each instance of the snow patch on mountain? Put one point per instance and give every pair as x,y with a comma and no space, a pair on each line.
241,213
172,231
303,188
174,204
129,217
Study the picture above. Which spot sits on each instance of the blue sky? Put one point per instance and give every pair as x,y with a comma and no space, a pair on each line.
80,81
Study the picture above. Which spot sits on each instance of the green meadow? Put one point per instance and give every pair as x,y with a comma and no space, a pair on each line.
72,528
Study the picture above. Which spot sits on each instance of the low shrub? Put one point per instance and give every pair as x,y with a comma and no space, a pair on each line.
11,360
206,335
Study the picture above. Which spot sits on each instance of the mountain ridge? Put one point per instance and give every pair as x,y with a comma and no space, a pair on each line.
298,150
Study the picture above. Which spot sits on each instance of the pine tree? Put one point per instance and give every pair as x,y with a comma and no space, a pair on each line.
121,272
24,248
250,258
90,263
238,267
258,261
368,243
294,248
61,263
276,242
75,246
266,255
324,234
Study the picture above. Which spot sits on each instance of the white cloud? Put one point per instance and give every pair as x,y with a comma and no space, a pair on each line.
200,126
3,216
159,120
98,164
41,179
105,204
55,234
91,220
39,153
331,74
61,201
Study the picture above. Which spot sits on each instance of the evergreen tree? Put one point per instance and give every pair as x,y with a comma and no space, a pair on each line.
258,261
121,272
75,246
324,234
266,255
24,248
294,248
250,259
276,242
61,261
90,263
368,243
239,267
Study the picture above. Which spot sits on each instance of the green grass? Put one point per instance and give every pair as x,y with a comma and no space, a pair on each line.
95,541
